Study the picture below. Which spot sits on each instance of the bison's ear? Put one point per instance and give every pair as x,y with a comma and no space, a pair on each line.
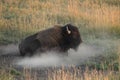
68,30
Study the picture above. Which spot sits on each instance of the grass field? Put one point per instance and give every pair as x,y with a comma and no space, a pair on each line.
98,22
20,18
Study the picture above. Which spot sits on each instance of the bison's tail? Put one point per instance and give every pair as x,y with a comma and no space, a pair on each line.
29,49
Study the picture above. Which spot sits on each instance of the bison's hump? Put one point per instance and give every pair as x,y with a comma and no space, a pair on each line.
50,37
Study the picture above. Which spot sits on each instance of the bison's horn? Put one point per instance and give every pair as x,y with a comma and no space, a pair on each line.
69,32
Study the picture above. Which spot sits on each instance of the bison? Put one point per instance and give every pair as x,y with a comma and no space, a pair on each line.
58,38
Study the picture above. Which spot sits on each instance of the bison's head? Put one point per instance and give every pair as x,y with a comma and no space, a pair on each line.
72,36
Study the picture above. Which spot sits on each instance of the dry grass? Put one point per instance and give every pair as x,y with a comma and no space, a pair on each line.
21,18
71,73
77,74
5,75
38,14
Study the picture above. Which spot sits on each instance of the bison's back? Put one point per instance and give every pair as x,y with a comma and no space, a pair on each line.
51,37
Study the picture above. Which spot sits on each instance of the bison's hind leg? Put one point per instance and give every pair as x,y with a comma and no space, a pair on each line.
30,48
34,45
27,52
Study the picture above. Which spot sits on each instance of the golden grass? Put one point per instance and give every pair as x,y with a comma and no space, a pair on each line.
42,14
4,75
77,74
24,17
70,73
28,75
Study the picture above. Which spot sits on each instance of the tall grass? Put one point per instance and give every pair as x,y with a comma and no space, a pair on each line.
70,73
23,17
77,74
4,75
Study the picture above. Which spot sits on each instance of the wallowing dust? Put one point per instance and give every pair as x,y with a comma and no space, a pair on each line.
52,59
9,49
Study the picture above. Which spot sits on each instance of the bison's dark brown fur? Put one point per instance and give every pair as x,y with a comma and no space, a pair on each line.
59,38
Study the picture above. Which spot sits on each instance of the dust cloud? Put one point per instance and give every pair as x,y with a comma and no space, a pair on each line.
49,59
10,49
53,59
